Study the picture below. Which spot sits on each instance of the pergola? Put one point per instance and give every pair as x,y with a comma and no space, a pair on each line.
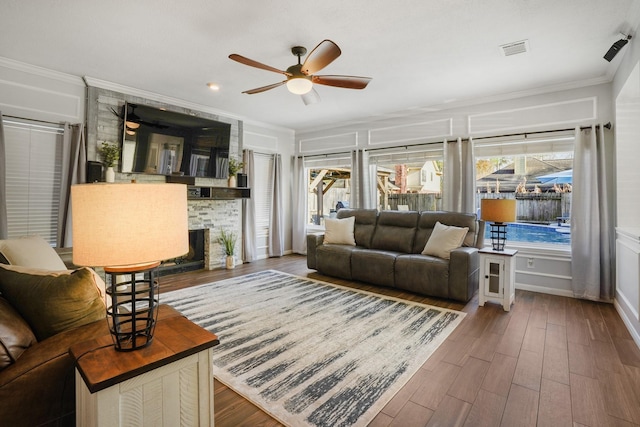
324,179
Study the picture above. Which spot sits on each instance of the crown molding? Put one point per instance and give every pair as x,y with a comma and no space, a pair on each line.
40,71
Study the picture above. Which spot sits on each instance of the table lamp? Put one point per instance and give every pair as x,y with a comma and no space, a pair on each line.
128,229
498,212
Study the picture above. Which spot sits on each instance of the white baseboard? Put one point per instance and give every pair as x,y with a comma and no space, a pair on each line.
545,290
635,334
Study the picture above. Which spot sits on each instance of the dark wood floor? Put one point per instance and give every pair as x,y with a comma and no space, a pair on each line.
550,361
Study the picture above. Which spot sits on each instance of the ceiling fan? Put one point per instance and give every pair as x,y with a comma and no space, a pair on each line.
301,76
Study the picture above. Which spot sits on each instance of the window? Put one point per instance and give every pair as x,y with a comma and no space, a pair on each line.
409,177
33,173
536,172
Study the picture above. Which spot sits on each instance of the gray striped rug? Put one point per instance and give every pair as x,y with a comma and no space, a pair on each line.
309,352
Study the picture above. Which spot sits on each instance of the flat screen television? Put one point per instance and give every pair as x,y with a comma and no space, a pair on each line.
163,142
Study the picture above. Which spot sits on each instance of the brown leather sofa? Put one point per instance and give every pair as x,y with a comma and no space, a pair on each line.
388,253
38,388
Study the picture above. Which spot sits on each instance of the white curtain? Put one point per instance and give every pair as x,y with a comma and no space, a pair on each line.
276,220
459,176
249,211
4,229
363,181
74,160
299,216
592,234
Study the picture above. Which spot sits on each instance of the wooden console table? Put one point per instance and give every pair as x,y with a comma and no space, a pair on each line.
168,383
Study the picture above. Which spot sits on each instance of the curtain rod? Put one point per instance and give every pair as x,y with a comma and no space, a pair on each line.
607,126
33,120
422,144
324,155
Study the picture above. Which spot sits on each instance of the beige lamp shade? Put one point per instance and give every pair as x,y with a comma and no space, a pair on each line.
498,210
126,224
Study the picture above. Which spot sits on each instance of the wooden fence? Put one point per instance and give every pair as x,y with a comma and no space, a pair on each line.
416,201
542,208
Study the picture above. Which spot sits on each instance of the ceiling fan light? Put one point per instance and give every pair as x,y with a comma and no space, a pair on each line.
132,125
299,85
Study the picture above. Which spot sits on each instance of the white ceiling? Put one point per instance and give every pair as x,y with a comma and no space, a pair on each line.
421,54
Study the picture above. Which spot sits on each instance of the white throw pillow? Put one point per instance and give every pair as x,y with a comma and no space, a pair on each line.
339,231
31,251
444,239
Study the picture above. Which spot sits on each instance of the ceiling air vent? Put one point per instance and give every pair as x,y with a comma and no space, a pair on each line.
514,48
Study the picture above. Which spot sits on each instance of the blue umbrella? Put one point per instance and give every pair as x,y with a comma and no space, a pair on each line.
563,177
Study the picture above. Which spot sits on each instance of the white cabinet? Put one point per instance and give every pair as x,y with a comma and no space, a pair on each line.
497,277
167,384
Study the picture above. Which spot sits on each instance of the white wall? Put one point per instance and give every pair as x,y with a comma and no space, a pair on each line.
626,92
556,109
39,94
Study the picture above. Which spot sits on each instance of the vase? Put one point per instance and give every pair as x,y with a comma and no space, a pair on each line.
230,262
232,181
110,174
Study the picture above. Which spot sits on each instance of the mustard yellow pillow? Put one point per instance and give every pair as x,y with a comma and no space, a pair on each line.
52,302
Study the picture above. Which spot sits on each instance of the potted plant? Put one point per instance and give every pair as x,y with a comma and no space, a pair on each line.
234,167
110,153
227,240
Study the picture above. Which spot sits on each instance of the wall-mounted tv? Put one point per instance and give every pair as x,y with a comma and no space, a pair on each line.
163,142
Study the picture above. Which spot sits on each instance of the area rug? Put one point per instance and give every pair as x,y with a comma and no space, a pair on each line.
311,353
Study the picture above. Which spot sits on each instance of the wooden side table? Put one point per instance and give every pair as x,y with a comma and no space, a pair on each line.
497,277
168,383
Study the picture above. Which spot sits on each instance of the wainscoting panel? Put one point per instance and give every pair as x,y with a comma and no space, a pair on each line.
628,268
547,115
544,270
329,143
411,133
628,279
257,141
30,100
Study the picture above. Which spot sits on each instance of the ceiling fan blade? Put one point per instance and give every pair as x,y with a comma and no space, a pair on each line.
321,56
349,82
250,62
264,88
311,97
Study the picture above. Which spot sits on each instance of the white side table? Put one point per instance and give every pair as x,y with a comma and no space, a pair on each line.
497,277
166,384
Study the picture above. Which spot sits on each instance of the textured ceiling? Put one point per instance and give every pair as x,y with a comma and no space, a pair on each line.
421,54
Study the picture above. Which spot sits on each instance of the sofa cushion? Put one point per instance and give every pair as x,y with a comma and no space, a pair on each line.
15,334
423,274
339,231
52,302
374,266
31,251
395,231
335,260
365,224
444,239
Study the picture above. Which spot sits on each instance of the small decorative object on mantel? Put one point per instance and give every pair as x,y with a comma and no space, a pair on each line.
234,168
110,153
228,241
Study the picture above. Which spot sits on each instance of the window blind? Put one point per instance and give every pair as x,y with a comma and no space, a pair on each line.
33,175
263,194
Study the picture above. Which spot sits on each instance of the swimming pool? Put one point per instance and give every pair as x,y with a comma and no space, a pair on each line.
534,233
